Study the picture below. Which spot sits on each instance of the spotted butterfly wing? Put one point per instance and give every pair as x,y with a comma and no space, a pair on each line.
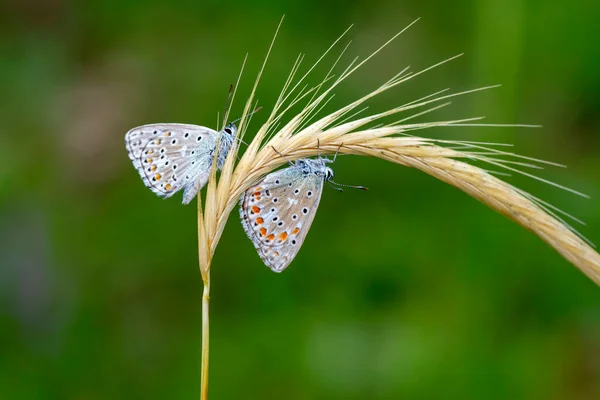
171,157
277,213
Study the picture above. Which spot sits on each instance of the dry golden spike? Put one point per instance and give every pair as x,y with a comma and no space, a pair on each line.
342,130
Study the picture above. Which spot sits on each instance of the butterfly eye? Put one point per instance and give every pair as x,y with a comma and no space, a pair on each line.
228,131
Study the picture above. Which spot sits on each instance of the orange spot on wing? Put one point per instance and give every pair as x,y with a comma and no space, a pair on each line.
168,186
157,177
150,151
263,231
168,134
283,236
260,221
149,160
258,188
271,237
255,209
295,231
153,167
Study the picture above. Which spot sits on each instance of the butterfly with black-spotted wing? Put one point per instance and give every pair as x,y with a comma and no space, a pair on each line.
171,157
278,211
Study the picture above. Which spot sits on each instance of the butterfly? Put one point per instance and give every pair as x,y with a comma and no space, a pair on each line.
172,157
277,212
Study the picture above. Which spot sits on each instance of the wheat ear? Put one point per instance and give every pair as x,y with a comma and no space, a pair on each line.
343,131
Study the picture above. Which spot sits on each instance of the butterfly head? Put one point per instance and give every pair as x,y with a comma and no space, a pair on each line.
230,129
328,174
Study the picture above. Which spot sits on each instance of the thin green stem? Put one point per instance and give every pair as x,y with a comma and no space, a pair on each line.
205,336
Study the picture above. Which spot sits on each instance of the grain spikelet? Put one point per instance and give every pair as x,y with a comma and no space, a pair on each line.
343,130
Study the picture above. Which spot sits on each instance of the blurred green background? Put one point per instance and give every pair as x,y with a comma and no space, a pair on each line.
410,290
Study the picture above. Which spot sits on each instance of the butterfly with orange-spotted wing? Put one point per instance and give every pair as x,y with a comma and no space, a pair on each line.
278,211
171,157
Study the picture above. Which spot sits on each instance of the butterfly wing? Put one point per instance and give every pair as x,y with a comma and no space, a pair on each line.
171,157
277,213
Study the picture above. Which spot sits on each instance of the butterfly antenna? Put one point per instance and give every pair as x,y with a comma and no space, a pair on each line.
253,112
287,159
347,186
227,104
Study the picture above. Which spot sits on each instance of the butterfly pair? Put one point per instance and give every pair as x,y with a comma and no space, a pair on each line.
276,213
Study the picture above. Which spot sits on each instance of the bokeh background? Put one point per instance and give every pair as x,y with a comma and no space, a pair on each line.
410,290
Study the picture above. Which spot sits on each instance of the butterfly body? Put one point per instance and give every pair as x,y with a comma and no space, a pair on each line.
172,157
277,212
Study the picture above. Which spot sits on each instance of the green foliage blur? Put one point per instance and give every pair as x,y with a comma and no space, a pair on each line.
410,290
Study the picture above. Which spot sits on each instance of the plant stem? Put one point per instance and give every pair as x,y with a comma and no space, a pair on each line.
205,337
204,263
